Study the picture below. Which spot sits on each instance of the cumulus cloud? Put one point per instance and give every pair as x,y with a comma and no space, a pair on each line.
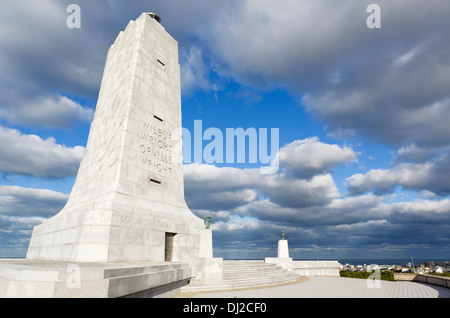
243,202
353,78
32,156
309,157
21,209
315,215
29,202
195,72
289,192
414,153
363,223
15,233
336,212
431,176
50,112
305,180
41,61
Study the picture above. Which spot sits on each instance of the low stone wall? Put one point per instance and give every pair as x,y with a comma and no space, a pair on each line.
307,268
316,268
404,276
433,279
423,278
46,279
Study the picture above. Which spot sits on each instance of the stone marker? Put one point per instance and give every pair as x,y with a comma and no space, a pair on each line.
283,249
283,258
127,203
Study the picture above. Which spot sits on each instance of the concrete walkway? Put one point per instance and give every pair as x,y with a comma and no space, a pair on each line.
333,287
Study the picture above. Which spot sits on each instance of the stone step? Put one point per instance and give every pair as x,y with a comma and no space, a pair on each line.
255,273
248,274
266,281
256,278
259,282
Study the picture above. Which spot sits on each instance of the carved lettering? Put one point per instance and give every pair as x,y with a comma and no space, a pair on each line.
155,150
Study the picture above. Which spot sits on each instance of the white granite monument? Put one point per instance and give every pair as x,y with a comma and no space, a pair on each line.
127,203
126,230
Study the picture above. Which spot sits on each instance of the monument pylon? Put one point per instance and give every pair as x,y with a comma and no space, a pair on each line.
127,203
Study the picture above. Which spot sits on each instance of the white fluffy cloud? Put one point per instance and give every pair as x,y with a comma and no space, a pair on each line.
351,77
39,59
21,209
32,156
305,180
355,79
432,176
363,223
51,112
309,157
195,72
15,233
315,215
28,202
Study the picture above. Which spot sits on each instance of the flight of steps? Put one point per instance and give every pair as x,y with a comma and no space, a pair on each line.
248,274
241,274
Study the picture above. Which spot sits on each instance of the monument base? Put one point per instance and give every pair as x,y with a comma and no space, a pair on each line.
283,258
210,272
20,278
283,249
283,262
303,268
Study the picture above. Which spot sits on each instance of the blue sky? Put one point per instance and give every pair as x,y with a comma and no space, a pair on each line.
363,119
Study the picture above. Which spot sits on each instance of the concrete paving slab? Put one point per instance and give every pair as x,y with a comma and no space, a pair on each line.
333,287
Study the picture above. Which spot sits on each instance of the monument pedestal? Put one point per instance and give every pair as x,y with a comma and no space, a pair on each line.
283,258
210,269
302,268
206,245
283,249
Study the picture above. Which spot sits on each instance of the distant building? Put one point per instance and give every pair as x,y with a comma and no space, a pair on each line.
432,264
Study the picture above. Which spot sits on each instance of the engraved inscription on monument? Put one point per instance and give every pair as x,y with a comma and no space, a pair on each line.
155,148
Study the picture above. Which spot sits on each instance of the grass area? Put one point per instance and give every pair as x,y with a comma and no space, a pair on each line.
384,275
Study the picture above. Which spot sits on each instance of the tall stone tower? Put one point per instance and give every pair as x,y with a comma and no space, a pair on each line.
127,203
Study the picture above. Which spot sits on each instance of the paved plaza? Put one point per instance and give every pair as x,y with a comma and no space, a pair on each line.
333,287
